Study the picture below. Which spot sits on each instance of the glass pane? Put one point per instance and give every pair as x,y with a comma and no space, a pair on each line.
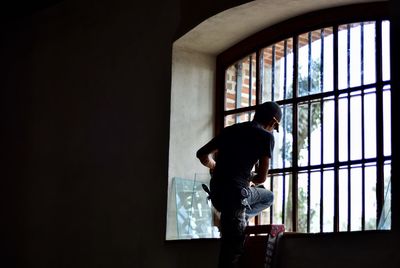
282,201
343,127
355,54
370,198
369,53
351,55
230,87
302,137
315,136
355,126
284,140
309,65
315,202
385,221
343,61
193,212
265,216
343,198
289,69
387,176
302,202
240,83
386,50
288,203
278,198
238,118
267,58
328,200
387,122
370,123
329,130
327,71
356,199
277,71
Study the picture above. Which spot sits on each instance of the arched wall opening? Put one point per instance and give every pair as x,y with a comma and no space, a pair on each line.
193,94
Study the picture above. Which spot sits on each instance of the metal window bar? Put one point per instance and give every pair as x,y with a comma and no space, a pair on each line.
238,87
301,99
250,80
380,158
271,212
367,161
362,128
379,121
250,84
348,26
336,129
259,88
309,74
321,218
284,131
295,133
273,87
273,73
362,52
259,75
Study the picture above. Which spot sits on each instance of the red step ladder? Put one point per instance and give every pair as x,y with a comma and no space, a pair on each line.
260,245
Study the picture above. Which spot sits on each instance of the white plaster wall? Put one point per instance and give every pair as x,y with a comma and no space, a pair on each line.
192,118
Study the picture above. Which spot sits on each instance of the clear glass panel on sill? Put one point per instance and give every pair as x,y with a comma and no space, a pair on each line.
194,214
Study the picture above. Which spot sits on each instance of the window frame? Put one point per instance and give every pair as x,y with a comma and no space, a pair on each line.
332,17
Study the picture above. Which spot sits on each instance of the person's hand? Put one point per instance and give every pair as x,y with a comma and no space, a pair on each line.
211,170
256,180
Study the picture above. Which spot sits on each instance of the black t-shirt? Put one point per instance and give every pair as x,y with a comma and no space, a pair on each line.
239,148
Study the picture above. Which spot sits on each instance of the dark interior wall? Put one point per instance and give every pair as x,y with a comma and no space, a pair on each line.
85,91
344,250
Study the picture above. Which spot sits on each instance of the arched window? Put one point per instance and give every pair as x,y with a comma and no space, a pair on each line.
330,72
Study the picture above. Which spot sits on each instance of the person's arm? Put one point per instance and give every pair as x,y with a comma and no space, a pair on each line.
205,154
207,159
262,172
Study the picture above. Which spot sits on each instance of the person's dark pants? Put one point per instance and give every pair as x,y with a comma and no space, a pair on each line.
233,224
234,217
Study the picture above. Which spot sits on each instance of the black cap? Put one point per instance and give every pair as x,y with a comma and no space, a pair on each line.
268,111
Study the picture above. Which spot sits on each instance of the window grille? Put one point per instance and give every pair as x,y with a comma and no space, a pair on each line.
331,164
